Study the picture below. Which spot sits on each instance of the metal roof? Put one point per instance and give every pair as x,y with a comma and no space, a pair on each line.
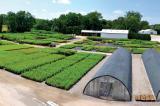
147,30
151,60
112,31
90,31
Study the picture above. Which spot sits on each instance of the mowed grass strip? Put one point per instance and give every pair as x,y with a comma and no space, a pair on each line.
42,73
69,76
29,64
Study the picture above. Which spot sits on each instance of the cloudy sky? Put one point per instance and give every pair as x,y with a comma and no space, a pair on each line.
110,9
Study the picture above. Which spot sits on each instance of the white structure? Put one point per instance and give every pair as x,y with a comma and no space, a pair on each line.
148,31
107,33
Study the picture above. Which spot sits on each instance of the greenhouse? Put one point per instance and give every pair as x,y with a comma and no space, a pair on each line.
151,60
113,81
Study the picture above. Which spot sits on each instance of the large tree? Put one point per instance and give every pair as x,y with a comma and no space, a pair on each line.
25,21
133,21
92,21
69,23
11,21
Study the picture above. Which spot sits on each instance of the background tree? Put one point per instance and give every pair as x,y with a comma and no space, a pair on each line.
156,27
1,22
119,23
145,25
106,24
24,21
42,24
133,21
11,21
92,21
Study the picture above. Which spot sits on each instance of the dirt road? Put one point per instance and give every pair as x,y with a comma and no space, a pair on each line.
140,82
77,38
17,91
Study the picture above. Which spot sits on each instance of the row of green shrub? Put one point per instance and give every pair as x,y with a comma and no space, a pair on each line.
13,47
140,36
43,72
26,65
37,38
69,76
4,42
91,48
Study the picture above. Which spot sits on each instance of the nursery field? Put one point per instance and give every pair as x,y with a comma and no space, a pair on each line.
109,45
36,38
55,66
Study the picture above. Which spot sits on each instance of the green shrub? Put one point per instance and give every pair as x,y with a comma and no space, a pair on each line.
70,46
66,52
88,48
140,36
105,49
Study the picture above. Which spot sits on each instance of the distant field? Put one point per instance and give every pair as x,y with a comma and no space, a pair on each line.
54,66
36,38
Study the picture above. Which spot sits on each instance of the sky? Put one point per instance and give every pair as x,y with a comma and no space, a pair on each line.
110,9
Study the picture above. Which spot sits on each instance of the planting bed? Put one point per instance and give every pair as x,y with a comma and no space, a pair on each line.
41,64
69,76
36,38
110,45
13,47
42,73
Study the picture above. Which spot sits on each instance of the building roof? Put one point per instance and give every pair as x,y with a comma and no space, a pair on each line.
115,31
107,31
90,31
147,30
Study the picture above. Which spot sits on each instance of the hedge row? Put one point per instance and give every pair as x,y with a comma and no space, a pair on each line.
69,76
42,73
36,38
105,49
140,36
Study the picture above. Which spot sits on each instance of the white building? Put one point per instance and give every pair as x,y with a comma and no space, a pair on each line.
107,33
148,31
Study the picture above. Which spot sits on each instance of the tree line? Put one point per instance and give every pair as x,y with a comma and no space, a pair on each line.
17,22
73,23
